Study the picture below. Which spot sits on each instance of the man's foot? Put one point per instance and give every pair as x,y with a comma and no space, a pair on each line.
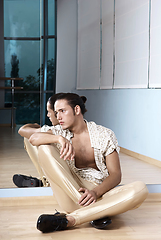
101,223
26,181
49,223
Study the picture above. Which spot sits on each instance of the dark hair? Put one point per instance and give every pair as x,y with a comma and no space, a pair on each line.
74,99
52,100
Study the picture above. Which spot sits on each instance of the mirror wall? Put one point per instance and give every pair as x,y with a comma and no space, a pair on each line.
28,37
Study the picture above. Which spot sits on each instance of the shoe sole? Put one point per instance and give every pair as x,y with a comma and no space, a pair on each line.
20,181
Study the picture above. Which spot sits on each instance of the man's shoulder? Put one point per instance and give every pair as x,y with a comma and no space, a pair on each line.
57,130
46,128
104,138
99,128
58,127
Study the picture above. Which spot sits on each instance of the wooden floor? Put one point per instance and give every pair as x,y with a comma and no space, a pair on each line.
18,216
144,223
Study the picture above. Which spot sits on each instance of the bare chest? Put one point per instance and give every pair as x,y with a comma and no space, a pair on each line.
84,153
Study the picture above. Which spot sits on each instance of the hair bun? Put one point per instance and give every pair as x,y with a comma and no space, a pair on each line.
83,98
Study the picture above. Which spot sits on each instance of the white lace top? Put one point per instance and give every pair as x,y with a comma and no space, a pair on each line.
103,141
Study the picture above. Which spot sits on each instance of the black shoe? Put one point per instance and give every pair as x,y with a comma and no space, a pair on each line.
49,223
26,181
101,223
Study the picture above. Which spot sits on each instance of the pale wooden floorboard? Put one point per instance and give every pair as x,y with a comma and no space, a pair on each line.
144,223
134,170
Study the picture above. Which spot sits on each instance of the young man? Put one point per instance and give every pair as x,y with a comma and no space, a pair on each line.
83,176
26,131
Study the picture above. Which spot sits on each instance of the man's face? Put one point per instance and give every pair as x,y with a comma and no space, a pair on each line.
51,115
64,113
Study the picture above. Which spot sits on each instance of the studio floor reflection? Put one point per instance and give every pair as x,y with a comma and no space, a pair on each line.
14,159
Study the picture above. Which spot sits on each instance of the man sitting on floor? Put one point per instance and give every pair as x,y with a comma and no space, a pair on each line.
80,159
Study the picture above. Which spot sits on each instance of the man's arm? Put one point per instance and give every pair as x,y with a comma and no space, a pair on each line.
114,178
43,138
28,129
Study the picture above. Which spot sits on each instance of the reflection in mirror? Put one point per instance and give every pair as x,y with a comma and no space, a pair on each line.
15,160
13,157
23,43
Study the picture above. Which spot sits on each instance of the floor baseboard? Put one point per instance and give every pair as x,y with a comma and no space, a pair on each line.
141,157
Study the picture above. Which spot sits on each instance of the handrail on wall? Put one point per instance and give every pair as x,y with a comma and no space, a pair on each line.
13,88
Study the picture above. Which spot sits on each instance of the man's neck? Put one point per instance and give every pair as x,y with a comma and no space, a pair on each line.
79,127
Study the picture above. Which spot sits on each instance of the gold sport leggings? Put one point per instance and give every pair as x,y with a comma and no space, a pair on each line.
65,185
33,154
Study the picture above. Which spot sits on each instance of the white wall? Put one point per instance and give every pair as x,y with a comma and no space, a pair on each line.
133,114
66,45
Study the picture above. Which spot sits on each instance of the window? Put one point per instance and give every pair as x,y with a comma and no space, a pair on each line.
30,53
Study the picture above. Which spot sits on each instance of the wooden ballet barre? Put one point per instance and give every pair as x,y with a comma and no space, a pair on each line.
12,88
10,78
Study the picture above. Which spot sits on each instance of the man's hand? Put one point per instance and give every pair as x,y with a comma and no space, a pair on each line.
87,198
41,138
67,150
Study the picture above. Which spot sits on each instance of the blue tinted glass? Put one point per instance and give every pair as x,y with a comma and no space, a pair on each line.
27,107
26,53
51,17
51,48
22,18
51,66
